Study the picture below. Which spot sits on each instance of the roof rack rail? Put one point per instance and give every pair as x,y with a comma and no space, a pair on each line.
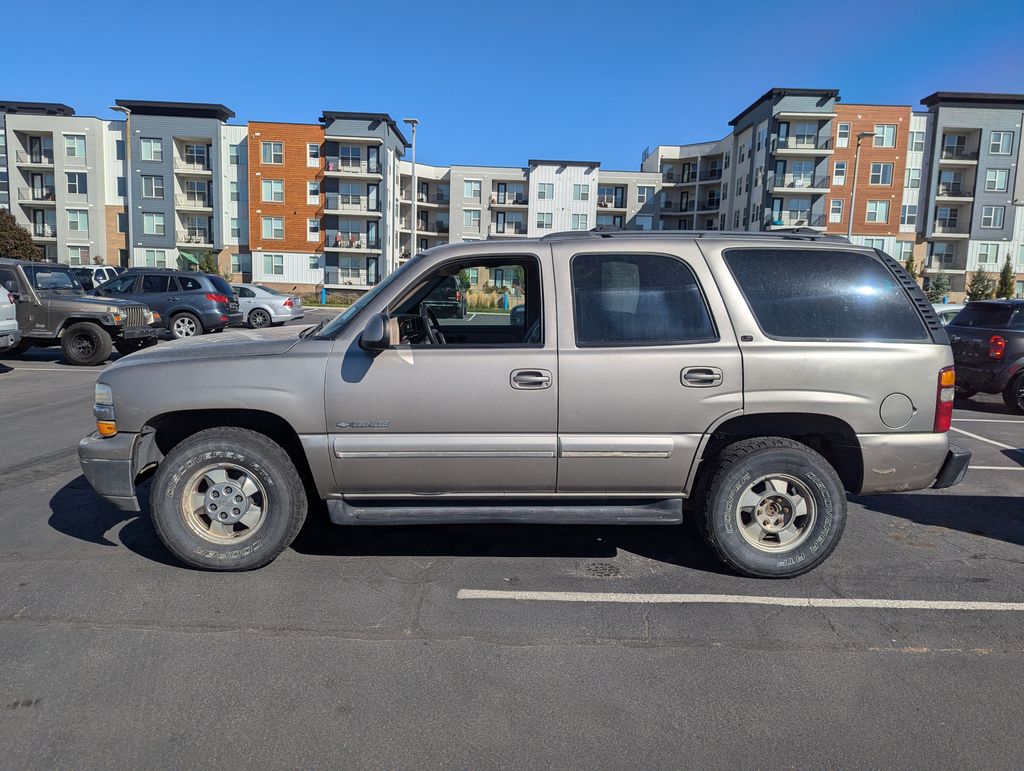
802,234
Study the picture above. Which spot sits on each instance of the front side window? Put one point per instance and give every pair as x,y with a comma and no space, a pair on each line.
992,216
637,300
885,135
824,294
273,190
881,174
152,149
273,227
1000,143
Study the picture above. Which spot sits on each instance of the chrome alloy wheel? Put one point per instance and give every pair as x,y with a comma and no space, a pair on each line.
776,513
259,318
184,326
224,502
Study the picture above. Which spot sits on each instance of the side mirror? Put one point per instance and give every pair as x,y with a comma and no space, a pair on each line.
377,334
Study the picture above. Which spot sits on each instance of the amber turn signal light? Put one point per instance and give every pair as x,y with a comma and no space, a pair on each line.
106,427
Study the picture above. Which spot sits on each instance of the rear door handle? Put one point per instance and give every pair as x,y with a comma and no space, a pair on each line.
701,377
530,379
173,299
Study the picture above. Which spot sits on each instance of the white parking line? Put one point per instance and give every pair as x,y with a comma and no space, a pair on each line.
69,370
735,599
983,439
986,420
996,468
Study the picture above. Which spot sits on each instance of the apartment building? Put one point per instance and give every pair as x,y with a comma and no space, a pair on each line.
235,256
175,184
57,180
433,208
692,192
286,205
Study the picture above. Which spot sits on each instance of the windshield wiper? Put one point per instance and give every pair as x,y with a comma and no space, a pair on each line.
312,330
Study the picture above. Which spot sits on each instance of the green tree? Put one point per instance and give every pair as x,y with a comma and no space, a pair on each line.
208,264
1006,279
938,287
980,286
15,241
911,267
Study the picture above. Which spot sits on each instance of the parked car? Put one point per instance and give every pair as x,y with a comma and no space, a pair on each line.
448,300
91,276
189,303
53,309
947,311
750,380
262,306
988,345
10,335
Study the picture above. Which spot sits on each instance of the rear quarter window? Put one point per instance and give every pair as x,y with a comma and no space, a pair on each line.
824,294
221,285
995,316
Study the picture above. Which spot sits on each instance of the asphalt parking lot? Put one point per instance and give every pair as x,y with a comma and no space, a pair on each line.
477,646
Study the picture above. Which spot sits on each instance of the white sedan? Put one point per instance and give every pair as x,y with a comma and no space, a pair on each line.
262,306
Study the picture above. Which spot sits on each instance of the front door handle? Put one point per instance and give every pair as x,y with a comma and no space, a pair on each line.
701,377
530,379
173,299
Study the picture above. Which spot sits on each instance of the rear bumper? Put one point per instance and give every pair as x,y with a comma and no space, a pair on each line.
9,338
989,378
899,462
286,315
108,465
954,468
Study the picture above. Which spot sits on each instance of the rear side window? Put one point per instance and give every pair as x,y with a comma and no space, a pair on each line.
189,284
819,294
637,299
996,316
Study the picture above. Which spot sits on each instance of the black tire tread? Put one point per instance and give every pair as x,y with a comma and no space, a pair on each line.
106,344
200,329
726,460
1010,395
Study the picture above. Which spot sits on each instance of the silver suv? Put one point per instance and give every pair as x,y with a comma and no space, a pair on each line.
748,380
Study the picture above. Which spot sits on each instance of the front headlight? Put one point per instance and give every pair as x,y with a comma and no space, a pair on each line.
103,410
104,395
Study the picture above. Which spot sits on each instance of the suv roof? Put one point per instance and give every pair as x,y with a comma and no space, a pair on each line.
802,234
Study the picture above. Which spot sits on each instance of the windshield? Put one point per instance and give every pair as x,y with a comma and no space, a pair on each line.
267,289
49,276
340,321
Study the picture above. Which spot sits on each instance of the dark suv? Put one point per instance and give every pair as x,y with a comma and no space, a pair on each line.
189,303
988,347
448,300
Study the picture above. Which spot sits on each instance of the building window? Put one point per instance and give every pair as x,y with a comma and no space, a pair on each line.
152,149
995,180
273,264
916,145
77,183
546,191
988,254
313,155
78,255
471,190
195,155
272,152
579,222
885,135
947,217
236,263
349,157
581,193
313,192
313,230
273,190
471,217
912,178
839,173
232,191
881,174
78,221
314,262
153,223
544,220
122,222
233,227
908,214
835,210
874,243
273,228
155,258
152,186
943,252
992,216
1000,142
878,211
122,186
118,149
74,146
904,250
644,194
233,155
843,135
644,222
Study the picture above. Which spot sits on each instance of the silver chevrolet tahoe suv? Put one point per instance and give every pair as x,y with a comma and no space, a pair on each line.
750,381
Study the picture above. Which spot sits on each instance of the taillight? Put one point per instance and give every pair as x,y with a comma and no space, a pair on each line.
217,298
288,303
458,296
944,400
996,347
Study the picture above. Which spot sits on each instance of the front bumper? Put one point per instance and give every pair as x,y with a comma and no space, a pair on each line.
108,464
139,333
954,468
9,339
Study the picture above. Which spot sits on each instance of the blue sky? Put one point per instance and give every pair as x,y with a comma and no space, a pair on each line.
501,82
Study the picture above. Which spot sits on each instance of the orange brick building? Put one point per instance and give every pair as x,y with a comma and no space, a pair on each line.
285,204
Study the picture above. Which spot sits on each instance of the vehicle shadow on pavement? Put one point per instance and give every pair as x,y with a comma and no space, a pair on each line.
77,511
672,544
991,408
989,516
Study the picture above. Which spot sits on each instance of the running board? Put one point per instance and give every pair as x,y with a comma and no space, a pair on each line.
667,511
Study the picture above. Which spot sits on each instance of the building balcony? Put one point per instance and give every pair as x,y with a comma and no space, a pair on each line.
44,158
678,207
45,194
47,232
200,168
508,229
710,175
336,203
798,183
610,203
802,144
958,155
951,228
953,193
708,206
679,177
509,199
340,241
435,199
338,167
193,202
952,264
193,237
795,219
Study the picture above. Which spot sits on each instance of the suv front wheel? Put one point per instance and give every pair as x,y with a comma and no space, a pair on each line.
771,508
227,499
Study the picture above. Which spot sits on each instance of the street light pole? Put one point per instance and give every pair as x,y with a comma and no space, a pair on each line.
414,122
861,136
127,177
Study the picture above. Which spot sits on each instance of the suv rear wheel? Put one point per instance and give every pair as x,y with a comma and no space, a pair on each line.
86,344
771,508
227,499
1013,395
186,325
